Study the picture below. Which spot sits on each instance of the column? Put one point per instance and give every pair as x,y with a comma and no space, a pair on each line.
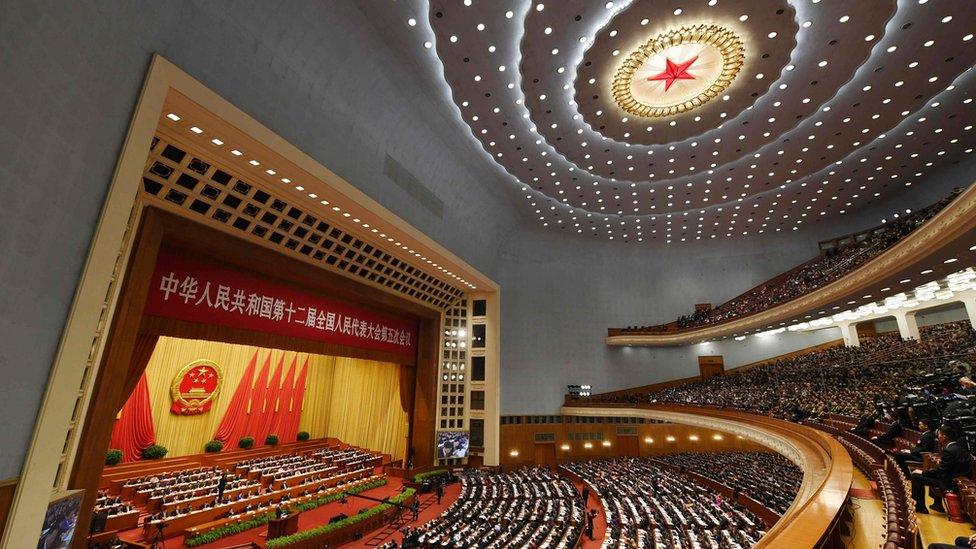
849,332
907,326
970,302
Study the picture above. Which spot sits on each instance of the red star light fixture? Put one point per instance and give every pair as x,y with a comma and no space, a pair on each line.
674,72
714,54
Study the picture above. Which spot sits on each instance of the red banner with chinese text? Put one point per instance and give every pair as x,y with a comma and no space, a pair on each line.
189,289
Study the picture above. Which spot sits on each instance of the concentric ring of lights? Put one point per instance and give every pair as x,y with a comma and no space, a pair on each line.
550,207
728,45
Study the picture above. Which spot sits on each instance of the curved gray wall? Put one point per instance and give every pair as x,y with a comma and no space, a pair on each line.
560,293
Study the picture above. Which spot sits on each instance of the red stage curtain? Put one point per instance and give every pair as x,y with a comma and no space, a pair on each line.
297,403
255,415
267,408
231,427
280,416
133,430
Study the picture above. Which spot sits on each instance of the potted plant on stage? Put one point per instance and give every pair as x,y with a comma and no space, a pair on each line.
213,446
245,443
113,457
303,436
272,440
154,452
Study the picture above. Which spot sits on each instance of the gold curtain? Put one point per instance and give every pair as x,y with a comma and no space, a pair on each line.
354,400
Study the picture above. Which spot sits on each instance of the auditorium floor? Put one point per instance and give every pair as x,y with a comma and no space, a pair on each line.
869,520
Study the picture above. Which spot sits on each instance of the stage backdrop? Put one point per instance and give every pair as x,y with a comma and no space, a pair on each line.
354,400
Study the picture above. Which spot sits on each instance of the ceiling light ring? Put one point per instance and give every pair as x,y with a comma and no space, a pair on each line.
728,45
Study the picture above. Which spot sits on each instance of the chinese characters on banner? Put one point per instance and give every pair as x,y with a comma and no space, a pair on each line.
198,291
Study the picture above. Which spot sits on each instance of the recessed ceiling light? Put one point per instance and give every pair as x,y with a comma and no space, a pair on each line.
927,271
254,163
412,22
844,18
195,129
743,17
509,14
427,45
216,141
173,116
950,260
236,152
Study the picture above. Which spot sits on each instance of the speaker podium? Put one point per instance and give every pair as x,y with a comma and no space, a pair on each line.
283,526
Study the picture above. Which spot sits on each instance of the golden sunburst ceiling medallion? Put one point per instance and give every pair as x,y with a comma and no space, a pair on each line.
678,71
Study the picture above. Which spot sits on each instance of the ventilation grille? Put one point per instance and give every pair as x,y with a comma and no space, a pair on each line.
178,178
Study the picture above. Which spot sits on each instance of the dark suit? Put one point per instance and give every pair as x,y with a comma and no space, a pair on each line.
955,462
961,541
926,444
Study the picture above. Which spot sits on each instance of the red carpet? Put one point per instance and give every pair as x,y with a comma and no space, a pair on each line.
317,517
862,493
599,524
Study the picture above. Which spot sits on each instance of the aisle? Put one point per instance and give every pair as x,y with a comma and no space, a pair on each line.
869,520
451,493
599,524
868,513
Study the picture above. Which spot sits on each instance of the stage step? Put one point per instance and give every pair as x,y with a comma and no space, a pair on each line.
393,527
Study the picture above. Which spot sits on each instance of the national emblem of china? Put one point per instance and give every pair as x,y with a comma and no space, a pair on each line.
195,387
678,71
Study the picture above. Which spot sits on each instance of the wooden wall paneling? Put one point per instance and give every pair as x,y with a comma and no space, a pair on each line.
107,393
710,366
544,453
424,416
651,440
628,446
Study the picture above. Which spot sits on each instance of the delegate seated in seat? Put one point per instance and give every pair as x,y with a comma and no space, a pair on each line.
955,461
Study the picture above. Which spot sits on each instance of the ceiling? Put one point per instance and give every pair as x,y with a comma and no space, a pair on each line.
837,105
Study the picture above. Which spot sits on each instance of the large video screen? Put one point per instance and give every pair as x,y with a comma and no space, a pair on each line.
60,521
452,444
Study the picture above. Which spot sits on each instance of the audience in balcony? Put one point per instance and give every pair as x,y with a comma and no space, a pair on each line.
849,381
820,271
